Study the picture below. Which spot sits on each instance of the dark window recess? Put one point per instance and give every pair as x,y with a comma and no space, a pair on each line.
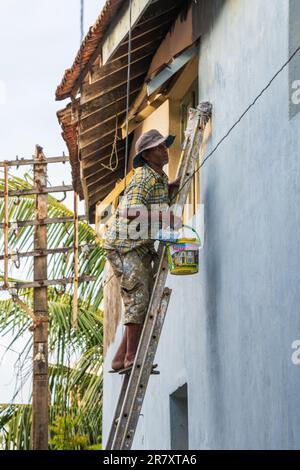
179,419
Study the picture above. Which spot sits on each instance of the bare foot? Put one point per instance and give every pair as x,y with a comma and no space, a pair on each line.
118,360
133,337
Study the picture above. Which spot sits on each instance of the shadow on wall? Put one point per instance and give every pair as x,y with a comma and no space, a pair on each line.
213,353
205,14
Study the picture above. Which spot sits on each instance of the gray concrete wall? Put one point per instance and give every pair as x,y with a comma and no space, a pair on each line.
229,329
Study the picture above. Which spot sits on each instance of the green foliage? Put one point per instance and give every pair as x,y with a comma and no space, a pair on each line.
91,263
75,356
65,434
15,426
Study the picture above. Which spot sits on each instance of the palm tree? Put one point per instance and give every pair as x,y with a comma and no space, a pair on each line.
75,356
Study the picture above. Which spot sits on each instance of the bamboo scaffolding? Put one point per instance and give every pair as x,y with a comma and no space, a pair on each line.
23,161
49,251
45,283
40,414
47,220
24,307
40,282
5,224
75,293
38,191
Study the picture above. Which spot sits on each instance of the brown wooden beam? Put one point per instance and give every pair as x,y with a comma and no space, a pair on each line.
157,33
103,151
51,282
109,84
102,154
101,76
23,161
97,175
157,10
75,265
49,251
103,115
41,190
5,224
98,72
110,97
40,400
106,177
102,176
102,141
92,171
101,128
96,196
118,29
106,113
118,189
55,220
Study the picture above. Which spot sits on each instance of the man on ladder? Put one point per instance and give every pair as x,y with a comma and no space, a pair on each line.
131,252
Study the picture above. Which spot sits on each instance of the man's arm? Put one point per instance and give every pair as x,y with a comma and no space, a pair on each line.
173,186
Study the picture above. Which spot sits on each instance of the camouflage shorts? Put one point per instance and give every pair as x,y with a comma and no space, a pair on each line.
135,274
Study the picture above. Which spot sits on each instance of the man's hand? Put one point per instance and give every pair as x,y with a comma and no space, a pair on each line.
173,186
175,183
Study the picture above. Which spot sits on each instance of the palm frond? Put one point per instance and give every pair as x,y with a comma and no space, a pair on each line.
15,427
75,356
59,235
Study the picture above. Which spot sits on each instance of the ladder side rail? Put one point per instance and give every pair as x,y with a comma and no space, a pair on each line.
148,328
146,368
114,424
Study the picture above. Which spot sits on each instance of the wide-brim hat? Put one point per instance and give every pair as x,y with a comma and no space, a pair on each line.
148,140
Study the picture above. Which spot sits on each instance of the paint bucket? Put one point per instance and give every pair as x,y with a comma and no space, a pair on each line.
183,256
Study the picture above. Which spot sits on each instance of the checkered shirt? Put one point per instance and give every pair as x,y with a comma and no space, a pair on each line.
146,187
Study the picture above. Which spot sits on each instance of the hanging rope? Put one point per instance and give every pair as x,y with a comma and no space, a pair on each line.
114,151
128,89
15,258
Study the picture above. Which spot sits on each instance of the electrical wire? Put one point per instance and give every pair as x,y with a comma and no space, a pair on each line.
81,20
237,121
128,89
80,75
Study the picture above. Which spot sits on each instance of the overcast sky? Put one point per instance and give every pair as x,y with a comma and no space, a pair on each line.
38,41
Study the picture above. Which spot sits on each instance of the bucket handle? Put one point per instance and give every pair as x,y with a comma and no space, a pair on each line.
175,241
193,230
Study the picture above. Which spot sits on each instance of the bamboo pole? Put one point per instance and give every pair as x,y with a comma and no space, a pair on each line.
40,190
48,220
23,161
51,282
50,251
24,307
5,225
40,333
75,294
